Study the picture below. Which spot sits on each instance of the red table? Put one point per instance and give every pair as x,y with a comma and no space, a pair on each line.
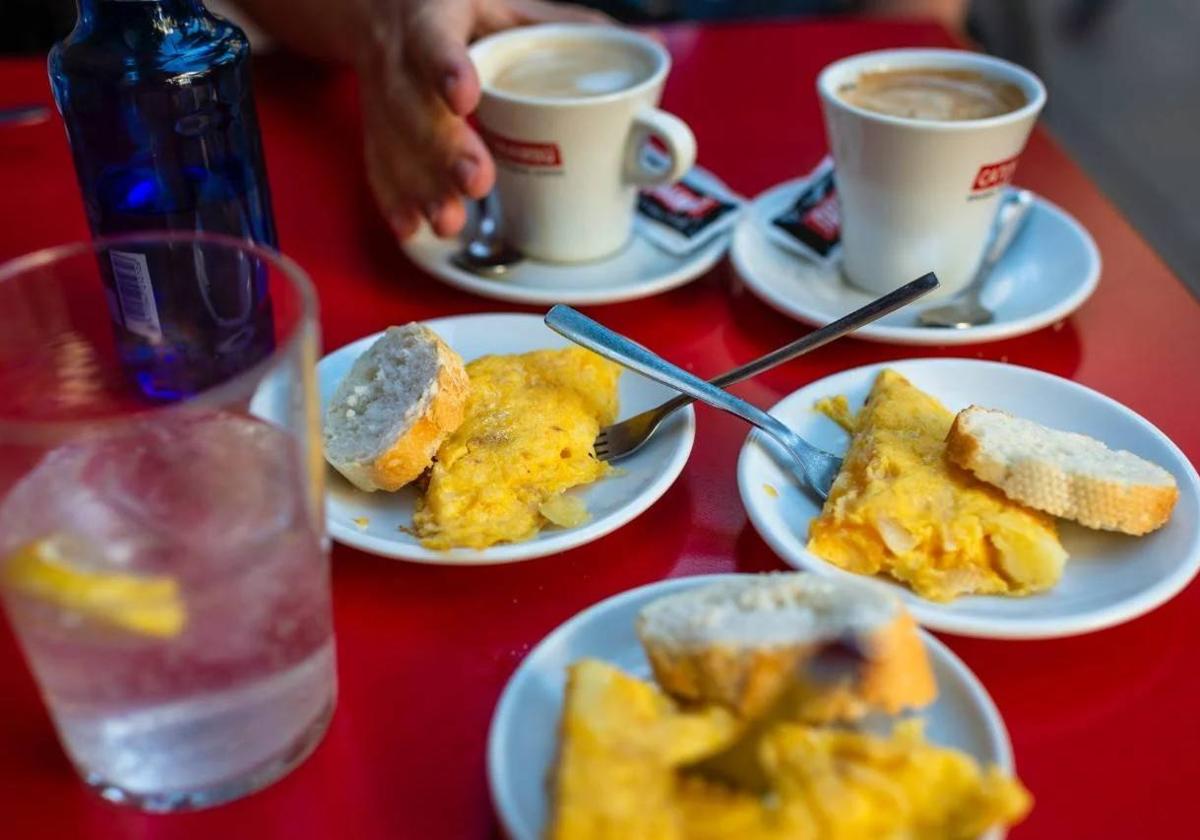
1104,726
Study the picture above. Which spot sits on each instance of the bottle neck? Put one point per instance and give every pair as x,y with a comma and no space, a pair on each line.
162,14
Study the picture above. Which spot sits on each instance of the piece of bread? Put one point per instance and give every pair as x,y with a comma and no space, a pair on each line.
745,642
1062,473
397,404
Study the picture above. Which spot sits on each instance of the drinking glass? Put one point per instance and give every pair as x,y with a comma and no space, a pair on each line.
164,564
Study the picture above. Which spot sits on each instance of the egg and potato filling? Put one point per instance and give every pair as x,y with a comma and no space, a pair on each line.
899,507
527,437
625,770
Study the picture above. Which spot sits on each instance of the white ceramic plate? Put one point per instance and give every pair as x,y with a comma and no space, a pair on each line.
1109,578
639,270
613,501
1048,272
524,730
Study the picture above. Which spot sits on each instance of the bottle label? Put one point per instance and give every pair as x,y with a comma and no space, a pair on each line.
134,290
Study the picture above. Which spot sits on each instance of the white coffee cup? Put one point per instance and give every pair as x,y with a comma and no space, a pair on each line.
920,195
568,166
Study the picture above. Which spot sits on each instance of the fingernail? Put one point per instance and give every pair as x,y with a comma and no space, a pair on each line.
464,172
449,84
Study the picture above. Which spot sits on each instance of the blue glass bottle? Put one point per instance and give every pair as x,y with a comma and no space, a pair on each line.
158,108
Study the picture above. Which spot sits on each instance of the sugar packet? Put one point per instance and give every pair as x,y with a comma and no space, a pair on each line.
682,217
811,224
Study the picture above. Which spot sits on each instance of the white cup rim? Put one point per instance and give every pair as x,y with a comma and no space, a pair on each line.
480,50
839,72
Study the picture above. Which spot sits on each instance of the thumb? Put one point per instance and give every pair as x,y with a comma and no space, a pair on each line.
435,46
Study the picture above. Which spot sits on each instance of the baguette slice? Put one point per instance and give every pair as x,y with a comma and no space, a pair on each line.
396,406
744,642
1062,473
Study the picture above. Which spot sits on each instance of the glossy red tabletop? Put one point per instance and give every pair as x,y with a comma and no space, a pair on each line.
1104,726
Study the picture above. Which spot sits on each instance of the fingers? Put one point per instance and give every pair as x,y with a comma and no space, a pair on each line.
474,171
539,11
447,216
424,161
435,46
436,37
473,175
405,222
421,159
401,215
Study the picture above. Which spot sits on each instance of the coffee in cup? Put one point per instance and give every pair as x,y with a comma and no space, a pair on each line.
924,142
933,93
566,111
579,71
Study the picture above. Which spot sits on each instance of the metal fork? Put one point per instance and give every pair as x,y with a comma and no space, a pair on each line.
624,438
812,466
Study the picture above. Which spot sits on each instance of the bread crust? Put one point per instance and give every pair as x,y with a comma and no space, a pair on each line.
1091,501
444,404
962,447
899,676
413,451
895,674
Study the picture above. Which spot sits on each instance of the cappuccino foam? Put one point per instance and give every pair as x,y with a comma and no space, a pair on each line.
930,93
573,71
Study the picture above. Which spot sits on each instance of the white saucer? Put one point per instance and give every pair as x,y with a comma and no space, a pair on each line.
613,501
1047,273
1109,579
639,270
523,737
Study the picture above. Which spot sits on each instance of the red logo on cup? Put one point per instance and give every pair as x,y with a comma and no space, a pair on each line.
523,153
992,175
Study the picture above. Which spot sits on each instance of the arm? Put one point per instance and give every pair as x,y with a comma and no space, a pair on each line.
417,87
315,28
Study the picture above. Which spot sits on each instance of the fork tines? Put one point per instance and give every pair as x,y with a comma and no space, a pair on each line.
601,445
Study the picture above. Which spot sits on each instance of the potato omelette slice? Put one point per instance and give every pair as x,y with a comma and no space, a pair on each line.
624,773
531,422
841,784
901,508
621,739
837,783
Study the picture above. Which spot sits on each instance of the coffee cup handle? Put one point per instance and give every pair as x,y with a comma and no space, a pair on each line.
674,134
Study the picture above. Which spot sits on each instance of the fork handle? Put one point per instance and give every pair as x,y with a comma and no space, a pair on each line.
848,323
596,337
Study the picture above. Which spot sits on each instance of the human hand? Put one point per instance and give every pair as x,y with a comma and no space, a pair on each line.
418,86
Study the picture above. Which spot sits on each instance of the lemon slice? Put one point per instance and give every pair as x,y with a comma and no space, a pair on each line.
145,605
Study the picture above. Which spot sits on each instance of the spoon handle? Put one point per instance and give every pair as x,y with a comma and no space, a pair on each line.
873,311
1010,219
24,114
